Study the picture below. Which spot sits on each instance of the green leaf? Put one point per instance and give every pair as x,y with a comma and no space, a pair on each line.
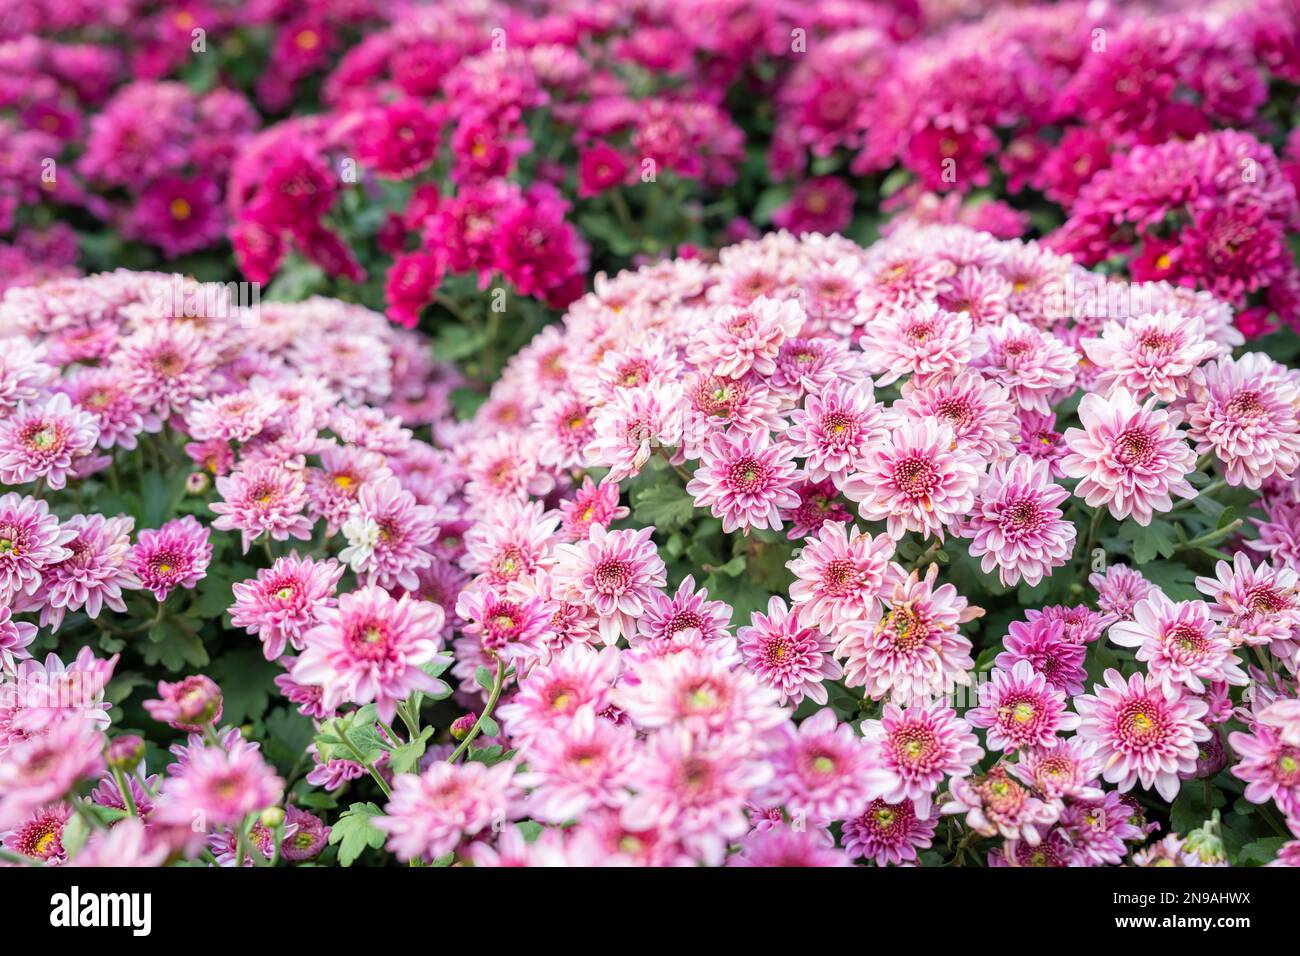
406,758
1261,851
488,726
1157,538
483,677
665,506
247,681
354,831
174,647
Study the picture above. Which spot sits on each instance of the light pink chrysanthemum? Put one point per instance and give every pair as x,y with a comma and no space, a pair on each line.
834,428
1256,605
978,411
173,556
1019,709
591,504
332,490
24,372
282,602
917,480
118,411
787,655
1270,766
615,572
1131,458
1017,525
1033,365
15,636
1070,769
30,540
687,611
745,480
996,805
922,340
1247,412
784,846
888,833
910,645
389,535
508,630
189,704
40,836
1150,354
221,785
371,647
1119,588
739,339
45,441
45,766
1179,643
582,766
168,365
838,575
551,693
261,499
430,813
1144,732
916,748
94,575
632,425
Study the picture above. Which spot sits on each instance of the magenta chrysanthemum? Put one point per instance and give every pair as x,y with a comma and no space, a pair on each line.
282,602
838,575
175,555
916,748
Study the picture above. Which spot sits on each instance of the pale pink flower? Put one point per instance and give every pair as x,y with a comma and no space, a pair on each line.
996,805
616,572
1020,709
282,602
822,769
46,441
1179,643
389,535
262,499
1256,605
916,748
1150,354
740,338
1034,366
1119,588
1017,525
838,575
94,575
688,610
745,480
978,411
921,340
634,423
30,540
1131,458
582,766
834,428
787,655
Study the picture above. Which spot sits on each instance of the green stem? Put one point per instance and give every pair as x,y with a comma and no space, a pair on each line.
1211,537
18,858
474,731
124,787
360,758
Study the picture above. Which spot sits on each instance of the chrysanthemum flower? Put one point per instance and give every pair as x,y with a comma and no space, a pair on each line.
741,338
509,630
430,813
1017,525
745,480
551,693
921,340
916,748
787,846
281,603
1179,643
1070,769
333,488
45,441
978,411
838,575
1097,829
787,655
582,766
911,645
1269,766
834,428
372,648
1256,605
259,499
1144,731
44,767
818,503
189,704
1131,458
389,535
687,610
40,836
996,805
175,555
93,575
917,480
1042,643
1040,440
614,571
167,364
1119,588
1150,354
15,636
632,425
888,833
1247,412
1019,709
220,785
117,409
24,372
1034,366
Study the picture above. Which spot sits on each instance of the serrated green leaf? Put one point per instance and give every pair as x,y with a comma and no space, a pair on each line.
406,758
355,831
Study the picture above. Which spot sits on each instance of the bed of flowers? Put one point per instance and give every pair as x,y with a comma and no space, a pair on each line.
797,557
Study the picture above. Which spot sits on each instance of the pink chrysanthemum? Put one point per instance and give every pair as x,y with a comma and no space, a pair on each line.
978,411
745,480
1247,412
282,602
1269,766
1144,731
118,410
739,339
787,655
910,645
93,575
40,836
1256,605
44,767
591,504
834,428
1179,643
818,503
261,499
917,480
582,766
508,630
888,833
1119,588
30,540
332,490
996,805
189,704
632,425
921,340
166,365
1150,354
551,693
372,648
1019,709
1040,440
1017,525
1070,769
221,785
15,636
1131,458
173,556
46,441
688,611
389,535
1034,366
615,572
1042,643
838,575
25,372
430,813
916,748
1096,830
785,847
